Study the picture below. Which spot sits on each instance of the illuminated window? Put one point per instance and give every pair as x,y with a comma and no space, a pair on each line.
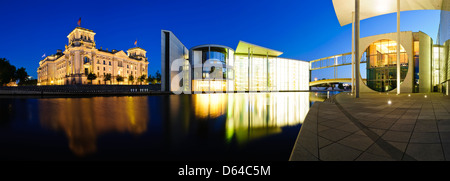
381,70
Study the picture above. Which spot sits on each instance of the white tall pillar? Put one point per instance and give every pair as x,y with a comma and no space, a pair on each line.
357,61
353,52
267,71
251,69
398,47
248,71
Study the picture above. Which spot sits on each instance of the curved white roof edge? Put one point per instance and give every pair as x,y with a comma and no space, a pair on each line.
372,8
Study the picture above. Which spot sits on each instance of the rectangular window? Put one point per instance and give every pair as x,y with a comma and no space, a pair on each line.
104,68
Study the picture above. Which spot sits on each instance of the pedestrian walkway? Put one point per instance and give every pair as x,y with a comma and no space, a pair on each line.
376,127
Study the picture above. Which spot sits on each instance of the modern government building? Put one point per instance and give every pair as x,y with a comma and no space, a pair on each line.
212,67
81,57
423,63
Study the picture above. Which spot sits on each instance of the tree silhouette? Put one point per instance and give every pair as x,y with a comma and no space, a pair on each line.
91,76
21,75
119,78
131,78
7,72
107,78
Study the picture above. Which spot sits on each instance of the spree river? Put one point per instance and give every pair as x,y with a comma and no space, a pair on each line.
239,126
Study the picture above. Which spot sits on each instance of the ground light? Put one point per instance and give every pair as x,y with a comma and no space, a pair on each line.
425,96
389,102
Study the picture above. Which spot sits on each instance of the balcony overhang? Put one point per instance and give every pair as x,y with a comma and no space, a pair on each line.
243,48
372,8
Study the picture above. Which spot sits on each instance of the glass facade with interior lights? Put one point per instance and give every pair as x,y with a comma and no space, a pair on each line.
218,68
225,70
270,73
422,66
213,67
381,59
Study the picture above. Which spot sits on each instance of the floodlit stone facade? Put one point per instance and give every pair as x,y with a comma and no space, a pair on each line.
81,57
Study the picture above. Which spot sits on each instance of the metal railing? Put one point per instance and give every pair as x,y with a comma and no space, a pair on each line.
333,61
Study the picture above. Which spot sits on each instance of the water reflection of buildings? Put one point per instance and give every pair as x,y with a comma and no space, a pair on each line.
210,105
251,116
84,119
321,96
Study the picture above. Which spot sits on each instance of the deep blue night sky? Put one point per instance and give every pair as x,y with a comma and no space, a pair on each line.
303,30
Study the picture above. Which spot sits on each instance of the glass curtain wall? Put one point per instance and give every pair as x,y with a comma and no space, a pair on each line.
416,66
437,65
272,83
258,73
230,74
444,41
282,74
241,73
216,68
270,74
381,59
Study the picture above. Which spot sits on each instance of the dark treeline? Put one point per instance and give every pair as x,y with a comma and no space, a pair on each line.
9,73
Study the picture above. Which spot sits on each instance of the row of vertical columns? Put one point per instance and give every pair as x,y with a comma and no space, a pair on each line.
356,58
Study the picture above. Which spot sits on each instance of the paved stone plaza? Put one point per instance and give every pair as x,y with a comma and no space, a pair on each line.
376,127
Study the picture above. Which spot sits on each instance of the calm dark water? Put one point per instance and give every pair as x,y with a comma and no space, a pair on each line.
257,126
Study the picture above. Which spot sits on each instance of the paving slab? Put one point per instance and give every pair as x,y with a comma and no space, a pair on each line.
368,129
425,152
338,152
